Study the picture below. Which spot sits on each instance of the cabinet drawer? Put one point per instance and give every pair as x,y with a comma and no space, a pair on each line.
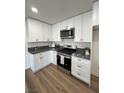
81,72
43,54
80,61
85,68
81,75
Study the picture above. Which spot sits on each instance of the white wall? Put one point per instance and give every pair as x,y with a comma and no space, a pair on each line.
95,54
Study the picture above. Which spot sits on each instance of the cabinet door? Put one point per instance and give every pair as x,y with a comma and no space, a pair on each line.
34,30
44,32
56,32
78,28
37,64
63,25
52,57
87,27
55,57
42,58
50,34
67,24
83,27
70,23
46,58
95,13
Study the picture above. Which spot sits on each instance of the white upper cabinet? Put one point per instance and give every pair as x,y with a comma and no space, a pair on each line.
63,25
44,32
70,23
34,31
67,24
49,34
96,13
38,31
56,32
87,27
83,27
78,28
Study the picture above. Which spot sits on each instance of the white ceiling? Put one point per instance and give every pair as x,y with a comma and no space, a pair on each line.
53,11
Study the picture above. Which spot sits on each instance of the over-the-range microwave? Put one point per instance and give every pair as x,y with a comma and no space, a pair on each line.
67,34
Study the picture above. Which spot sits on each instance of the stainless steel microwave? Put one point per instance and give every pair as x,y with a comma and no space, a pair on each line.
67,34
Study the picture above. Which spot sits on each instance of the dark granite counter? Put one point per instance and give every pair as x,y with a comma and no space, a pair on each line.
79,52
35,50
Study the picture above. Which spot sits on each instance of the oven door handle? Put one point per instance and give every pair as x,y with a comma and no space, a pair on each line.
67,57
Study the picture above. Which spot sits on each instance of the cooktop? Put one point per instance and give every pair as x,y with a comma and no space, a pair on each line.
67,51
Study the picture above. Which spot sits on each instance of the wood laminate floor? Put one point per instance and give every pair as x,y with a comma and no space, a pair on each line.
52,80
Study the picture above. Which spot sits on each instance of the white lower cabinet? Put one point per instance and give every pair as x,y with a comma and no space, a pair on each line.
52,57
80,68
39,61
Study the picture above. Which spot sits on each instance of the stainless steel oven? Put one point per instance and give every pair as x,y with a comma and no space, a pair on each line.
64,58
64,61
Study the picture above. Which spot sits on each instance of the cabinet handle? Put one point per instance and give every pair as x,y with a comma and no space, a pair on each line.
66,27
79,59
69,32
78,73
79,66
37,39
81,39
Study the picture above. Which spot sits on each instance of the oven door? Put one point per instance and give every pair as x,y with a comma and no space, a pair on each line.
67,63
60,60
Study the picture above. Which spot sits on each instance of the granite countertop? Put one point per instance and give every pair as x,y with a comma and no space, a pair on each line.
82,56
79,52
35,50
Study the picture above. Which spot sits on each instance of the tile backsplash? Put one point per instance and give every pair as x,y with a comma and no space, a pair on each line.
78,44
72,42
61,43
34,44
